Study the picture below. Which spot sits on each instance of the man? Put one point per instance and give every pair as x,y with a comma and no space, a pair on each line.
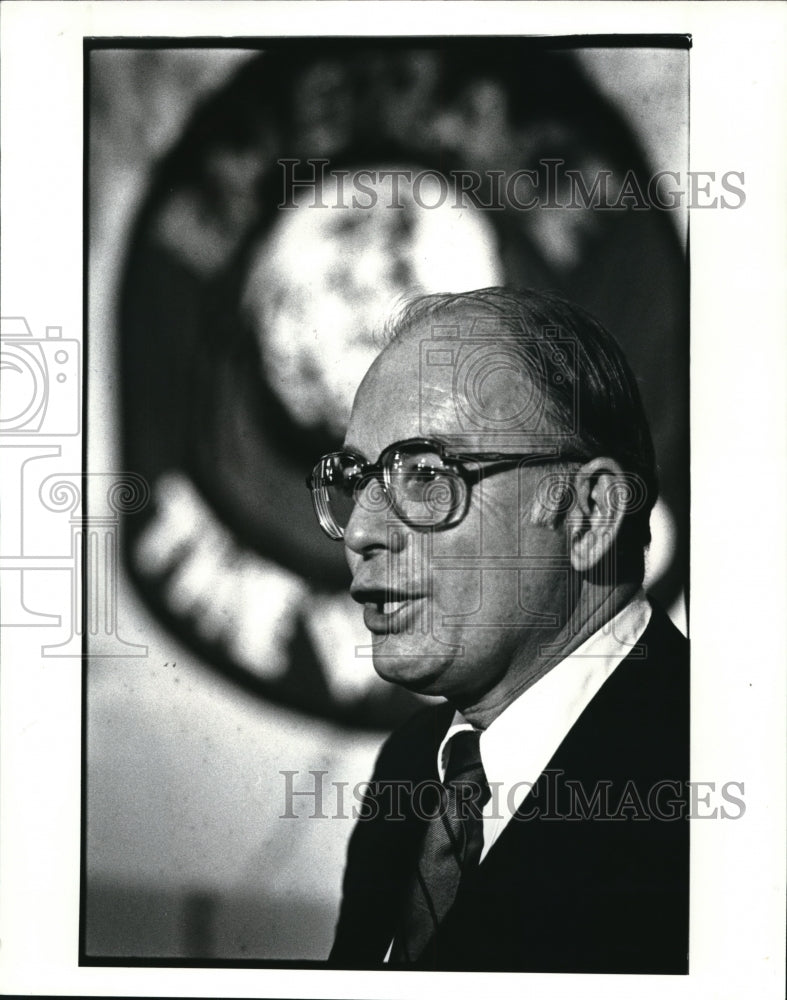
493,497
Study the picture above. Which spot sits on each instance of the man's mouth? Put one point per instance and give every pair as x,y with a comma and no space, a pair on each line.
388,607
386,617
385,612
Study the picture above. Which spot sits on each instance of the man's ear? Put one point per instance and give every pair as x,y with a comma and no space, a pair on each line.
593,524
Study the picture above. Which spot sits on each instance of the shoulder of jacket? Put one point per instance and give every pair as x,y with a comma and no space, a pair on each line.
417,738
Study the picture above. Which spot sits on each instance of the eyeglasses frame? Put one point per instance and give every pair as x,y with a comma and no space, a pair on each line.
378,472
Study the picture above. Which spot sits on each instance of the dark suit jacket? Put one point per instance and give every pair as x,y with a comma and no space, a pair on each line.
574,883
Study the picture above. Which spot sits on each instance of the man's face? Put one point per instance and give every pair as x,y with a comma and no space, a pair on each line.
456,612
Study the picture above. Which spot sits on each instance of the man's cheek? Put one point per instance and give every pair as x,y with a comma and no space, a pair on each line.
463,540
458,592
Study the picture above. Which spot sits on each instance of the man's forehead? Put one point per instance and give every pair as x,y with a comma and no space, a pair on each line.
396,401
422,385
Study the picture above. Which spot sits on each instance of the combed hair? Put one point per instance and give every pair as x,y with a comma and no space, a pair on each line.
597,399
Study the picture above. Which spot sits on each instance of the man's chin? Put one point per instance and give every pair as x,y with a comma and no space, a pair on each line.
420,673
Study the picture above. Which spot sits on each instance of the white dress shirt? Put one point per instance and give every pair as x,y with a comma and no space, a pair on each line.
521,741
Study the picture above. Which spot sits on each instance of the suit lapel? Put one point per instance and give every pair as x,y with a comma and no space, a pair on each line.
616,738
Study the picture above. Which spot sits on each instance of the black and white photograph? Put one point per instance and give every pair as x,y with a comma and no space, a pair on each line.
375,476
453,225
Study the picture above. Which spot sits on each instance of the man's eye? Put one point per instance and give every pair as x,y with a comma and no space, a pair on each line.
350,477
421,472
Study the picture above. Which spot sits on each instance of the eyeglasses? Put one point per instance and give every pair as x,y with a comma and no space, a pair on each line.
418,479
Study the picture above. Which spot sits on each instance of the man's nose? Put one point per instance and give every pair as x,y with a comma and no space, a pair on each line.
373,522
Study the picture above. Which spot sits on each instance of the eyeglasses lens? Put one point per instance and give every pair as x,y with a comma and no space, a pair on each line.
425,491
334,480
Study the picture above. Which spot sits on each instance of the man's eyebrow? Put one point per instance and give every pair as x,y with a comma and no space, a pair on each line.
436,439
356,452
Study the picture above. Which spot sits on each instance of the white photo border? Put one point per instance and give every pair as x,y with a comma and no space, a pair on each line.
738,263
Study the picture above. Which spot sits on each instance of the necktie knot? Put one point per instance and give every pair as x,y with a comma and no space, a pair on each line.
464,757
464,775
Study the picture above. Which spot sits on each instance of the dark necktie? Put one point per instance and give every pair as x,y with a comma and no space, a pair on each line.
452,847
